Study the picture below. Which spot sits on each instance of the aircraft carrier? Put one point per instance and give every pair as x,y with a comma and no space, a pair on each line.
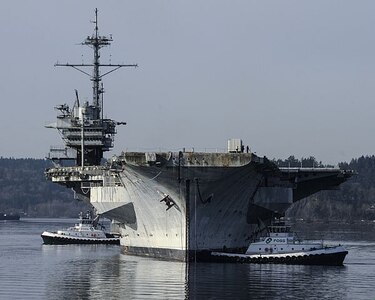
177,205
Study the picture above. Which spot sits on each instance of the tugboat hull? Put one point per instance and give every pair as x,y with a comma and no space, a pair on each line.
9,217
329,256
50,238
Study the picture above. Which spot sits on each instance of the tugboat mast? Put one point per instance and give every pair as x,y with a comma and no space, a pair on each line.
83,127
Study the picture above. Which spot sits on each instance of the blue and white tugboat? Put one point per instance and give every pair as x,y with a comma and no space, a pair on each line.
281,246
84,232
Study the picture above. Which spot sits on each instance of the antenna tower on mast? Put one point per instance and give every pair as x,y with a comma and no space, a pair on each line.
83,127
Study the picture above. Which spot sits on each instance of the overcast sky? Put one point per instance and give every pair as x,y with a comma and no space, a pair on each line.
287,77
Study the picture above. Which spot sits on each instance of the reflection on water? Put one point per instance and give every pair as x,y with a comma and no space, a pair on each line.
30,270
91,273
253,281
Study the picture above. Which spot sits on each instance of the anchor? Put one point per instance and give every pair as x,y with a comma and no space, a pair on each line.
168,201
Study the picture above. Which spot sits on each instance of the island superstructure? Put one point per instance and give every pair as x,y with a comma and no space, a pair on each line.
179,205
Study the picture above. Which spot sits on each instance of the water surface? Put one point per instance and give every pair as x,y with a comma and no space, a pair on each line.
31,270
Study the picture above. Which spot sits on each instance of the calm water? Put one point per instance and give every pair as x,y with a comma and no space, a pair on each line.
30,270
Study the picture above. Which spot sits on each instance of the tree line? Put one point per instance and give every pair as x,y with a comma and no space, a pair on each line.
25,190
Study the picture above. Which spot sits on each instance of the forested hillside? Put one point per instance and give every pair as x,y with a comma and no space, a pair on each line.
23,188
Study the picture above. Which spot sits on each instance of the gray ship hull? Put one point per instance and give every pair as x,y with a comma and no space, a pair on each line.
165,217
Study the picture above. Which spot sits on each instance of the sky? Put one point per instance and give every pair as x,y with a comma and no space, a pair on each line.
287,77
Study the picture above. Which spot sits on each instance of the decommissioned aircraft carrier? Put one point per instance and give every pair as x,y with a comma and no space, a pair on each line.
177,205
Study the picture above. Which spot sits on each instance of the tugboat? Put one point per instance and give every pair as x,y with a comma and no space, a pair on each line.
85,232
282,246
9,217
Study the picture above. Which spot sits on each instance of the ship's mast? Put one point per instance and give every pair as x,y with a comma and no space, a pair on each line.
96,42
96,133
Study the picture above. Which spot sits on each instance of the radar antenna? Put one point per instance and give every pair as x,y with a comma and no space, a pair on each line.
96,42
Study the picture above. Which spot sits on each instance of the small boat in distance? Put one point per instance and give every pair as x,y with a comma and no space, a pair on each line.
85,232
281,246
9,217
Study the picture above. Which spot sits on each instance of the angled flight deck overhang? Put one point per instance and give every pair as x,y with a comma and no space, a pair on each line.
308,181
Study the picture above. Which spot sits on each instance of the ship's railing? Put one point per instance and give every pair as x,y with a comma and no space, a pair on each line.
97,175
183,149
76,171
298,169
111,181
317,170
112,184
61,153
